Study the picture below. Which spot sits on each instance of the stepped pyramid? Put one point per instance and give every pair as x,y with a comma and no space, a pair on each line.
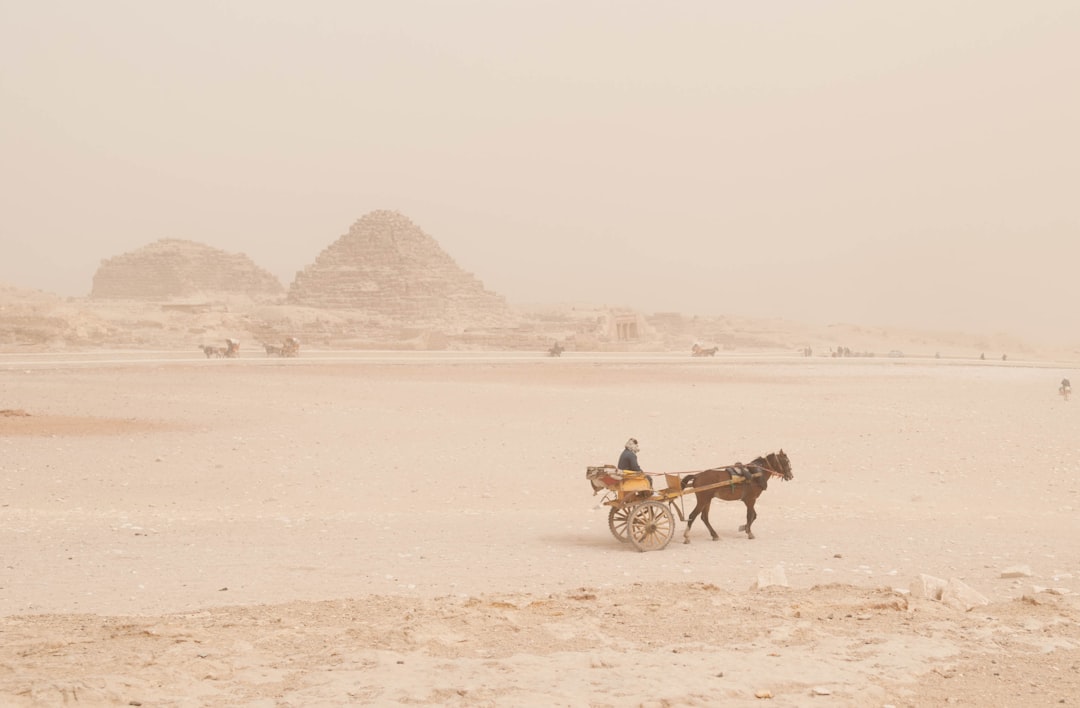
171,268
386,265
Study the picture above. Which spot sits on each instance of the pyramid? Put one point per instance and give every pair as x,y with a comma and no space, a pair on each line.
386,265
176,268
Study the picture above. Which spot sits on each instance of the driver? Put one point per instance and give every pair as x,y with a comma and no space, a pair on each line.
628,459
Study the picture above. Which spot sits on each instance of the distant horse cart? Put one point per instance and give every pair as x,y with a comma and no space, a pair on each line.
646,517
290,347
231,350
698,350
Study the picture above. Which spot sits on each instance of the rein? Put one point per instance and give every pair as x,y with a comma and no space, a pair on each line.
771,471
763,468
747,465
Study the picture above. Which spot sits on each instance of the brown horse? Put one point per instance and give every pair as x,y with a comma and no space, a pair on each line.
754,480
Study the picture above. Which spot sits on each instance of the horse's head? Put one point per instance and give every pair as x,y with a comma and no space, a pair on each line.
775,463
781,465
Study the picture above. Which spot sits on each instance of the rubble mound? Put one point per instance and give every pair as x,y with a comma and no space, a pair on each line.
387,266
177,268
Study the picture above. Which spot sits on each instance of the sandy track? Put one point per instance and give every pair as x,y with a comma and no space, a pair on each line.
196,487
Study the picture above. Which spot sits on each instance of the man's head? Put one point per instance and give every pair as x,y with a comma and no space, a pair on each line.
632,445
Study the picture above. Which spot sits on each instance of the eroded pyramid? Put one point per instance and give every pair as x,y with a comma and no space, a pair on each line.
177,268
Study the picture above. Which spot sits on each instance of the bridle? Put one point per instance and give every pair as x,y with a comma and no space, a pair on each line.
773,459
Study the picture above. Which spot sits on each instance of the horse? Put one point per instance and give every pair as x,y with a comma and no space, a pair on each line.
290,347
212,351
273,349
755,480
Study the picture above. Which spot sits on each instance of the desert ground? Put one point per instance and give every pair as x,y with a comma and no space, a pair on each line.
383,528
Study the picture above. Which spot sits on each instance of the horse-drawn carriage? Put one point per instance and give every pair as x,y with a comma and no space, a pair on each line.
698,350
645,516
231,350
290,347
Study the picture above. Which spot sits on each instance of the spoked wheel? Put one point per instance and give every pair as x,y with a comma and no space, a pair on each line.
617,519
651,526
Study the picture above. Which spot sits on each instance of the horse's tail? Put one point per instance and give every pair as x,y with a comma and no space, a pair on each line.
688,481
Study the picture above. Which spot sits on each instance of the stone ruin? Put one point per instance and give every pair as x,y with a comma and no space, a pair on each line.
388,267
177,268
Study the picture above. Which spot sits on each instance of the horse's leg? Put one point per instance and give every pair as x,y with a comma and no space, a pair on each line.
705,518
690,519
750,516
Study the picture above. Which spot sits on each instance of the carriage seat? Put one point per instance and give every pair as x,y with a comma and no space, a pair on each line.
609,477
602,477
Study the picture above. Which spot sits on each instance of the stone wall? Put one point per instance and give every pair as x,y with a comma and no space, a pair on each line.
387,266
177,268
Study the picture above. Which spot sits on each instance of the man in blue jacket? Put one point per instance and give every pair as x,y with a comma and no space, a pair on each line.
628,458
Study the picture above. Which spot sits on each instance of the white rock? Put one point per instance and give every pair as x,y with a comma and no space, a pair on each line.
961,596
1016,571
927,587
768,578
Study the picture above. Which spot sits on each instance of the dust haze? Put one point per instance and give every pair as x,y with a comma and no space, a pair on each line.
908,164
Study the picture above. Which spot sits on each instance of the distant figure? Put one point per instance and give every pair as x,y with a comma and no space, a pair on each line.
556,350
1065,389
1004,357
982,357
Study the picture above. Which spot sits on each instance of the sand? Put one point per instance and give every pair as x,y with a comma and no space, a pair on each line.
385,529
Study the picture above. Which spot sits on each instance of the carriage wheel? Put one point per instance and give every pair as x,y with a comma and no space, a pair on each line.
617,519
651,526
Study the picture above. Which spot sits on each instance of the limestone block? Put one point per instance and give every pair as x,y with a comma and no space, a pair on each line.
927,587
775,576
1017,571
961,596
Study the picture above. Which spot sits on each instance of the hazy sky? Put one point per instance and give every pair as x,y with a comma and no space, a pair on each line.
911,163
